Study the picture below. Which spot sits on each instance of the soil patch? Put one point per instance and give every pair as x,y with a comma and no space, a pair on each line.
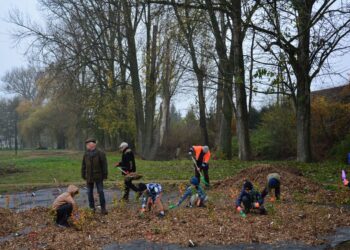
7,170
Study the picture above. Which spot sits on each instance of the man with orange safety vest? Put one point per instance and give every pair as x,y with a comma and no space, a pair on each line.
202,156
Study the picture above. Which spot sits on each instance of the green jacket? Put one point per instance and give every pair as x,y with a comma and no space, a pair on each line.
94,167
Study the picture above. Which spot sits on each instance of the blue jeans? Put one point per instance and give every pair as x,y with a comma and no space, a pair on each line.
99,186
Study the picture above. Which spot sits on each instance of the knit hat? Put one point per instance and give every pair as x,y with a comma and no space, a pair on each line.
205,149
247,185
124,145
194,181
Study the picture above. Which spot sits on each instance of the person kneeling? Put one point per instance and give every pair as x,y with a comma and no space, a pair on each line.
151,195
250,199
196,194
64,205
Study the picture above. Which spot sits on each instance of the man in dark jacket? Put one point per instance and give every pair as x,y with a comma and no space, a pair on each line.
128,166
94,170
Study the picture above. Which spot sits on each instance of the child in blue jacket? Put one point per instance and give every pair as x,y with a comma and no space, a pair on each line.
195,191
249,198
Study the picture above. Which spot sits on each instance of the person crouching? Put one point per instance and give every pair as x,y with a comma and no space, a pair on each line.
250,199
196,194
273,182
64,205
151,195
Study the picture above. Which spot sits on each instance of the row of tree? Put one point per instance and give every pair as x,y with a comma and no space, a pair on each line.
112,67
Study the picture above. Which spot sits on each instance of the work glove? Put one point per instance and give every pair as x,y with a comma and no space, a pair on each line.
204,165
256,205
239,209
345,182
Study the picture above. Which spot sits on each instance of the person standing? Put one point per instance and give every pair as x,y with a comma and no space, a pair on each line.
202,156
94,170
128,166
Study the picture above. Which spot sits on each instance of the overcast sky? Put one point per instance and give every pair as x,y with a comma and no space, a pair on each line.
13,56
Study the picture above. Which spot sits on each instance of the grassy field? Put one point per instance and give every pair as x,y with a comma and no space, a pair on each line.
33,169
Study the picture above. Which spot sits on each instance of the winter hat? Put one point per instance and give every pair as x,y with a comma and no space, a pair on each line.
194,181
124,145
247,185
205,149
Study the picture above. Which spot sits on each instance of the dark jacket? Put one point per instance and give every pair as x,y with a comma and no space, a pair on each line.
253,195
128,161
94,167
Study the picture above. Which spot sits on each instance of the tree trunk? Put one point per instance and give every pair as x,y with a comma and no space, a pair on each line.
227,73
202,113
151,91
303,122
135,79
166,95
226,129
242,116
302,71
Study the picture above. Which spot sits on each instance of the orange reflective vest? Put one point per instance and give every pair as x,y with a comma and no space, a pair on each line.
197,150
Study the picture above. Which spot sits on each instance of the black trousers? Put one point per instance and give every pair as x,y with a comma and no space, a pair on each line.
63,213
205,172
127,186
277,188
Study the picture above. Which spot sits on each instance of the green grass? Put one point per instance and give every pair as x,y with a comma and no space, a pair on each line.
39,168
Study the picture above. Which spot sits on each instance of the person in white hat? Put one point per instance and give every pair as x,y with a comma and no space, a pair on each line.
127,164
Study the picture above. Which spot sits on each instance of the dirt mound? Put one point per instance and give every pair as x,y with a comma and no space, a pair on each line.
292,182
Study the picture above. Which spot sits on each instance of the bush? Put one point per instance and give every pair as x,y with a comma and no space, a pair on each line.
341,150
275,137
330,124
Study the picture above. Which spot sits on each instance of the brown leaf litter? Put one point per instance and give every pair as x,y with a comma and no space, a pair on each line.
302,215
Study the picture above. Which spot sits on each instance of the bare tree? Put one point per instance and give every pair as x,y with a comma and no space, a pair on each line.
308,32
22,81
190,25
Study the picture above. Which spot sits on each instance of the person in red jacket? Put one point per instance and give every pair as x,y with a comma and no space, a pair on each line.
202,156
